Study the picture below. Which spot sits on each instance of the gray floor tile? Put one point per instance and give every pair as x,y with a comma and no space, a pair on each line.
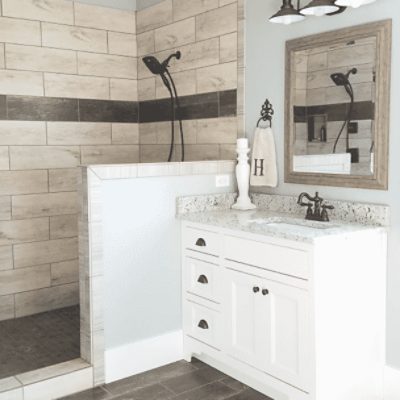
39,341
150,378
212,391
193,380
153,392
249,394
93,394
234,384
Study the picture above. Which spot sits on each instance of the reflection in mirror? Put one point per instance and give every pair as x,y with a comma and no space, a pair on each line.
337,107
334,108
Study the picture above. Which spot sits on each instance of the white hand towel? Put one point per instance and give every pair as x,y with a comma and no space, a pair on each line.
264,171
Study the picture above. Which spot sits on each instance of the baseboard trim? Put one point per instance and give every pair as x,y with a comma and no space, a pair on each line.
135,358
392,383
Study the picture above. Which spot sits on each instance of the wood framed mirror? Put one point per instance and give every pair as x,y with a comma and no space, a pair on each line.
337,107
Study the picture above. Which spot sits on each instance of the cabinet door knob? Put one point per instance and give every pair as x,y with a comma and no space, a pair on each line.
203,280
256,289
203,324
201,242
265,292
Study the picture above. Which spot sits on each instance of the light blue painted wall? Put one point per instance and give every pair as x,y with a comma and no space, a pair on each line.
121,4
265,46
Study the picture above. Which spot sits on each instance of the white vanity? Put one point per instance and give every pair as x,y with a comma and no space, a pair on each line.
294,309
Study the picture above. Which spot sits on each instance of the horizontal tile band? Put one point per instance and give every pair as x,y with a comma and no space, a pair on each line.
32,108
362,110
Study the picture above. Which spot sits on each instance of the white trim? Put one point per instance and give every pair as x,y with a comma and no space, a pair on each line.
138,357
392,383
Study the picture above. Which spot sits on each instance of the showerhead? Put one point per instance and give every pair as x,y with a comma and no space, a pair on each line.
153,65
341,79
158,68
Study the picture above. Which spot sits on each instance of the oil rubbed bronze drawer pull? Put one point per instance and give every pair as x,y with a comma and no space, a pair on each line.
203,280
265,292
201,242
203,324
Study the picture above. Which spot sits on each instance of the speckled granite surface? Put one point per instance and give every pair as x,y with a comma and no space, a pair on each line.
280,216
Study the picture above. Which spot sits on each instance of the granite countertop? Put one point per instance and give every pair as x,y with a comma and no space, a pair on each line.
274,224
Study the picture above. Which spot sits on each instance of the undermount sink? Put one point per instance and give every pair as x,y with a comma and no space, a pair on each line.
283,224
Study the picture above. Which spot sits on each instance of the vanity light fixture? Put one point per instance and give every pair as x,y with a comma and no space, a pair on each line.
353,3
288,14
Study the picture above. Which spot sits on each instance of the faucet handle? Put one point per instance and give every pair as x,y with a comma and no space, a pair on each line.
324,214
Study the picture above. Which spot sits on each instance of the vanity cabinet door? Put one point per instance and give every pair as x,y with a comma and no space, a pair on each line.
246,323
268,327
288,338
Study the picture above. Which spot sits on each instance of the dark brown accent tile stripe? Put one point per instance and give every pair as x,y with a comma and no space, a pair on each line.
29,108
108,111
363,110
35,108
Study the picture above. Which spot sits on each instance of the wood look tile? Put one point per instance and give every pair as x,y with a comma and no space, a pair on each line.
42,157
51,251
176,34
108,111
6,312
217,130
5,208
20,231
21,83
23,182
64,272
74,38
2,64
188,8
63,226
3,107
24,279
6,258
20,31
49,10
202,152
41,205
35,58
105,18
22,133
4,158
217,22
78,133
114,154
212,391
217,78
154,16
122,44
145,43
185,83
124,89
146,89
229,47
125,133
73,86
64,180
107,65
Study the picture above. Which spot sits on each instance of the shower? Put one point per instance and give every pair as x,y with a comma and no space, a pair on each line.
341,79
161,68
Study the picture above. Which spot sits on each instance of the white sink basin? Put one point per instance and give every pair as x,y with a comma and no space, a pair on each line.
289,224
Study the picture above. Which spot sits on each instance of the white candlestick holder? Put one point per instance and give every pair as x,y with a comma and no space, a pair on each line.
243,177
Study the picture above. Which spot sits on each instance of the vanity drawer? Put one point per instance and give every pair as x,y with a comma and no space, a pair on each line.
202,323
202,279
203,241
281,259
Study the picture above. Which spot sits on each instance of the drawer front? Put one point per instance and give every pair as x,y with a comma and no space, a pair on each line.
202,241
281,259
202,279
202,323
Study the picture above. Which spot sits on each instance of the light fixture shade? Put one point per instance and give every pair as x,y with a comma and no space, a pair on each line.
319,8
287,14
353,3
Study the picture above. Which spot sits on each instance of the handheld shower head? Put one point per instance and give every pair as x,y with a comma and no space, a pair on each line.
341,79
153,65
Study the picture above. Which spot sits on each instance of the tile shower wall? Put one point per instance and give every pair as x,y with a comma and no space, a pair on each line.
68,96
209,77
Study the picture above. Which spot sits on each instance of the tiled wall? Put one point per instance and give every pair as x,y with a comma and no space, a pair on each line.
68,95
209,34
316,94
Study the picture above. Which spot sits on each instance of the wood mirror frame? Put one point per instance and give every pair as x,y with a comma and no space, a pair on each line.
382,30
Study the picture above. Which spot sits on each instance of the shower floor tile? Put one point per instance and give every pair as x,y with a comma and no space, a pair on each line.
39,341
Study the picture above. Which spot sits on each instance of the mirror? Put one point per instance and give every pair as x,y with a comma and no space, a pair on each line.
337,107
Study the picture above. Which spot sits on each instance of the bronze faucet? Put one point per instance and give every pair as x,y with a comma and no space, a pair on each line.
320,210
